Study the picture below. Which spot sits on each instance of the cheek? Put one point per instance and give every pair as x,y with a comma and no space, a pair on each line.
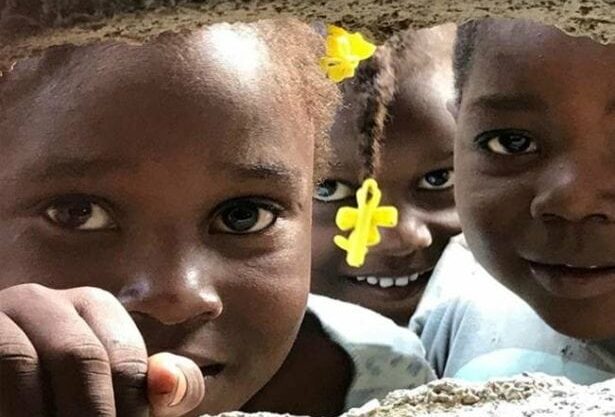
444,224
494,214
26,258
264,307
325,255
487,204
275,285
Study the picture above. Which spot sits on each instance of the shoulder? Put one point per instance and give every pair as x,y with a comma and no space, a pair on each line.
384,355
352,325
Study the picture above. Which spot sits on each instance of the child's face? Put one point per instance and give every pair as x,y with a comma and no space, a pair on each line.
535,163
416,176
164,174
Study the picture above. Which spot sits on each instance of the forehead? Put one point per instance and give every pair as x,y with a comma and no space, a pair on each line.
538,59
420,102
419,128
345,139
205,93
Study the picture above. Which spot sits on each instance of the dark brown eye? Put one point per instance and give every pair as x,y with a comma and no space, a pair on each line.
332,190
243,217
440,179
507,142
79,214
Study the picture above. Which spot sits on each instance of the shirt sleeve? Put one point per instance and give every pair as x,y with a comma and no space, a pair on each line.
385,356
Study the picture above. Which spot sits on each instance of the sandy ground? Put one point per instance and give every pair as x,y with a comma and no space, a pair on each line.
28,27
535,395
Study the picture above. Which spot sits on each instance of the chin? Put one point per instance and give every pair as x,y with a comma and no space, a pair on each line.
579,320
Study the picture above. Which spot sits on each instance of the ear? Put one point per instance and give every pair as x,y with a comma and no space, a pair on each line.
452,105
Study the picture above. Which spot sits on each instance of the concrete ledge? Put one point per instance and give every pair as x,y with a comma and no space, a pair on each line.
28,28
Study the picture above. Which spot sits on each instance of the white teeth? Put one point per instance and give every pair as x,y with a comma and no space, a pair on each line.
402,282
583,267
386,282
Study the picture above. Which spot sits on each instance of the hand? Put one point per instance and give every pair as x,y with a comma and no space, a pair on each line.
175,385
77,352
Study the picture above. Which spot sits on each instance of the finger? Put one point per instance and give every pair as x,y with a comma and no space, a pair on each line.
75,363
124,345
175,385
21,393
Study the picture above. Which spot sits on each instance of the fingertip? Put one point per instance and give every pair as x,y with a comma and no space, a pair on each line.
166,384
175,385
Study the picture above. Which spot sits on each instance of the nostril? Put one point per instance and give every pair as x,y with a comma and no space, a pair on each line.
593,218
547,217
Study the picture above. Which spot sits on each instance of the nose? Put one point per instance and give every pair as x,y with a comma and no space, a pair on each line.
576,190
410,235
173,292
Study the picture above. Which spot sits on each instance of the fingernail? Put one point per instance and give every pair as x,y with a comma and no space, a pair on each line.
180,387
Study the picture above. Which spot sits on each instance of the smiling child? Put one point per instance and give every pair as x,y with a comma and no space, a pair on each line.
394,126
534,157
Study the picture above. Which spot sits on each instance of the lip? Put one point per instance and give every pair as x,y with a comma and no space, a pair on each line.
574,280
209,367
212,371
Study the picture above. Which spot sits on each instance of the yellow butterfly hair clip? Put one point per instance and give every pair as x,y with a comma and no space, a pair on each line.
363,222
344,51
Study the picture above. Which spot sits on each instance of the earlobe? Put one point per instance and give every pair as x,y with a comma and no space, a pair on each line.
452,105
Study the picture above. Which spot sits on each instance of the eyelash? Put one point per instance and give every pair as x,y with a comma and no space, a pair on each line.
42,208
275,208
435,189
482,141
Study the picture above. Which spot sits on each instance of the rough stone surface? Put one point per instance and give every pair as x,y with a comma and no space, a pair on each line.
535,395
30,26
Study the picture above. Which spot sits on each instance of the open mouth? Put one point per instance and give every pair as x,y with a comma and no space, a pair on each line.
387,293
387,285
565,270
575,281
387,282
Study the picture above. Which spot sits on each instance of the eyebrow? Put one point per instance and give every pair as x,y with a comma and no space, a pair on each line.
510,103
270,171
75,168
338,166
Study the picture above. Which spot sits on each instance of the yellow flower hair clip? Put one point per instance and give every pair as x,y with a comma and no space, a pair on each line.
364,222
344,52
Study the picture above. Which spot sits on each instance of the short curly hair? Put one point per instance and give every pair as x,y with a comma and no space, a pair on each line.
298,49
465,45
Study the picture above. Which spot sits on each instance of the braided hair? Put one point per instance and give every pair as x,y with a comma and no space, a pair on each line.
374,88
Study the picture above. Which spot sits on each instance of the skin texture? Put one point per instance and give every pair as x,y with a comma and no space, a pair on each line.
418,142
139,145
304,386
535,173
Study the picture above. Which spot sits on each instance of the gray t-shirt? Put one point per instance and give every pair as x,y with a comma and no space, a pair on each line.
385,356
473,328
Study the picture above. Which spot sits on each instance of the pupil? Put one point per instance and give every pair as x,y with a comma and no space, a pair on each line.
326,188
74,214
241,219
515,143
438,178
